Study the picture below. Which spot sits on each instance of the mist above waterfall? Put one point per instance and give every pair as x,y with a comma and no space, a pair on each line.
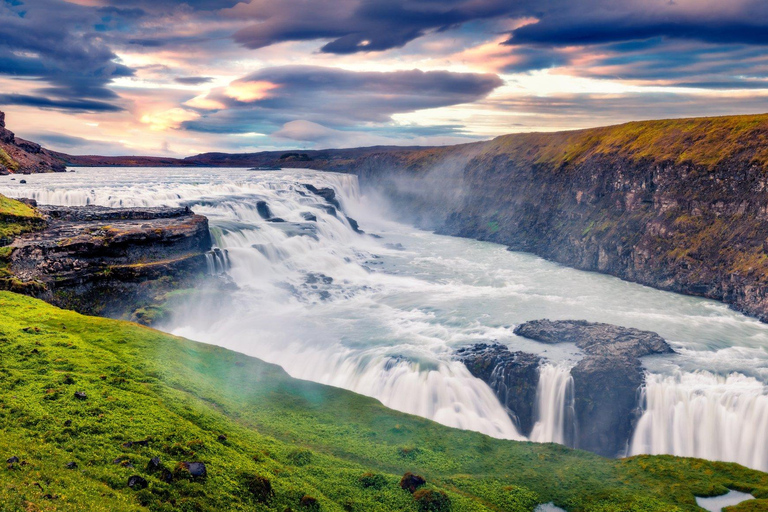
381,313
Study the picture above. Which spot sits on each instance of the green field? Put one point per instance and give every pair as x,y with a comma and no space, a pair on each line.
313,444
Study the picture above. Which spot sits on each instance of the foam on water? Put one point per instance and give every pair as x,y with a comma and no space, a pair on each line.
382,316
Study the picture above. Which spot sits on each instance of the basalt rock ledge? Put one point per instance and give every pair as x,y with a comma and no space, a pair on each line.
116,262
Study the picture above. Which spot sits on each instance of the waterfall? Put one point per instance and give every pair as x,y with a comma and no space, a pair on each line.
383,316
555,419
703,415
217,261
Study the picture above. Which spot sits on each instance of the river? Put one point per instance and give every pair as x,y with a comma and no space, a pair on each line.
381,313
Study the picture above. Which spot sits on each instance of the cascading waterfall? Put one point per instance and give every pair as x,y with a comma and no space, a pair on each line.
383,316
217,261
555,419
703,415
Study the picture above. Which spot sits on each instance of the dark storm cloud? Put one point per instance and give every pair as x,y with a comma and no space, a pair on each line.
75,105
376,25
339,98
562,30
355,25
49,41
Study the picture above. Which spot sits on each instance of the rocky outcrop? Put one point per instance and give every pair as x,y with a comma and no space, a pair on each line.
606,381
513,376
110,262
24,157
596,339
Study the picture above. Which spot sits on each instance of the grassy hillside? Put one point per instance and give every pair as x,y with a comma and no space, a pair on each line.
148,394
703,141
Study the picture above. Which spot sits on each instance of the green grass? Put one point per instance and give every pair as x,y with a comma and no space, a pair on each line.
704,141
16,218
305,439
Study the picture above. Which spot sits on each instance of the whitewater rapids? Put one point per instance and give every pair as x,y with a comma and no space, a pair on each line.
381,315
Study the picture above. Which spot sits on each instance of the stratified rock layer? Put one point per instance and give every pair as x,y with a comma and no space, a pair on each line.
110,262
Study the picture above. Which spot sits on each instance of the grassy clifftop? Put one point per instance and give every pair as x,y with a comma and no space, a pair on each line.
269,442
702,141
16,218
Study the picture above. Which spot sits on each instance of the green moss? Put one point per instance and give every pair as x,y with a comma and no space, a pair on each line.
148,394
7,161
16,218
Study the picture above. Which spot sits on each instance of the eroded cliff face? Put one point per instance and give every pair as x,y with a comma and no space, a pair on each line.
677,205
24,157
121,263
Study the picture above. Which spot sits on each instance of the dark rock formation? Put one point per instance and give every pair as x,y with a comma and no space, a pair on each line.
607,381
355,226
513,376
154,464
309,216
193,470
596,338
110,262
137,483
326,193
263,210
606,391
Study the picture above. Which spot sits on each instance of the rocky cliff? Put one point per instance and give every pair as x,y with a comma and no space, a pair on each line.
121,263
24,157
679,205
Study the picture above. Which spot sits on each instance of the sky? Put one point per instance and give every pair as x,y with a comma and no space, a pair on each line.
170,78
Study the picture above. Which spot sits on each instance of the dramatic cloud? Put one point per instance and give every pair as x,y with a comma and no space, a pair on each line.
182,75
335,97
47,41
358,25
588,22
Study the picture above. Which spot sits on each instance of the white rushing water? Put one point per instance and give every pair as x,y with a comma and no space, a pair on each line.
704,415
554,404
382,316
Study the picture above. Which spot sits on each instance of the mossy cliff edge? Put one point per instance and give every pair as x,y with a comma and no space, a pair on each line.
680,205
100,414
122,263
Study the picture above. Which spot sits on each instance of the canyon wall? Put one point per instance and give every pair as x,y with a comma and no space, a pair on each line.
679,205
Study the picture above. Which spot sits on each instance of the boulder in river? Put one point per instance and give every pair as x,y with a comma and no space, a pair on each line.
596,338
262,208
607,381
326,193
513,376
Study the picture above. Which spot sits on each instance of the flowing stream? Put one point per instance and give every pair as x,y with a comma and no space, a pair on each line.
381,315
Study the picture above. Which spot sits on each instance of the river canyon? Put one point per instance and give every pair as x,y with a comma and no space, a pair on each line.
333,288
